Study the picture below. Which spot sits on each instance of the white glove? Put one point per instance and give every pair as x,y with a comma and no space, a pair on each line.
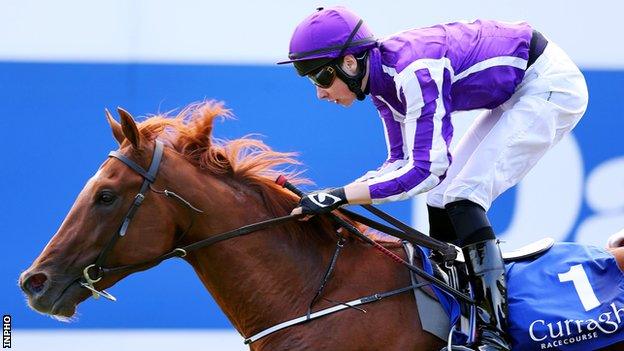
387,167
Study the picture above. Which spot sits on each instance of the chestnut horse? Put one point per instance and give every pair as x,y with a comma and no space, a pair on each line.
258,280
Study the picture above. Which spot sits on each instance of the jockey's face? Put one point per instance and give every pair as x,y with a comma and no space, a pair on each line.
338,92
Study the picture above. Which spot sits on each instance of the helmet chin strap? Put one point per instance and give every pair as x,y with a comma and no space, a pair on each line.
354,83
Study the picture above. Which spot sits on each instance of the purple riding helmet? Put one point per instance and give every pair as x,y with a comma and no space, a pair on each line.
322,39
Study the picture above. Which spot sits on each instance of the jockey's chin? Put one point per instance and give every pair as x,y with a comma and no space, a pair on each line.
337,93
346,101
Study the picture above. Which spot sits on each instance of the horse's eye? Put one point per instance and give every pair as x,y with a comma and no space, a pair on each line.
106,198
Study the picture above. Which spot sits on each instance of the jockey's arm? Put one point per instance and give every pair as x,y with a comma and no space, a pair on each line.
394,142
423,134
358,193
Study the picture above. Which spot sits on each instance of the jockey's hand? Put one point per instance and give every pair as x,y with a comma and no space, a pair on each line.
322,201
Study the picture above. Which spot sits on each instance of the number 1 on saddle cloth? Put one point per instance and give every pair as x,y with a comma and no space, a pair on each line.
569,298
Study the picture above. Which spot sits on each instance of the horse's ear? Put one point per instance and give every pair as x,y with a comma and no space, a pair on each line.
115,127
129,128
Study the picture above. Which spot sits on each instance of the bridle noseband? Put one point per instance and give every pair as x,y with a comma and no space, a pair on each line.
149,176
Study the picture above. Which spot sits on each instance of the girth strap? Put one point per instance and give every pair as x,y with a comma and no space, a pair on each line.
330,310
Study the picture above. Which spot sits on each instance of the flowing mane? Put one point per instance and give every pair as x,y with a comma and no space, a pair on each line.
247,160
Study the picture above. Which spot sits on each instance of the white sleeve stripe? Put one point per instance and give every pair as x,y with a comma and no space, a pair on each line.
407,152
438,152
387,137
492,62
397,116
408,74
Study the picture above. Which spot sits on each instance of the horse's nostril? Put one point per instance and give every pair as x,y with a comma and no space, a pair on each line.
35,283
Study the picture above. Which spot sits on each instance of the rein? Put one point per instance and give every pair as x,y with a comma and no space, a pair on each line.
184,250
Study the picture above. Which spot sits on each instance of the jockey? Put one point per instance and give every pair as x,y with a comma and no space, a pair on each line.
531,92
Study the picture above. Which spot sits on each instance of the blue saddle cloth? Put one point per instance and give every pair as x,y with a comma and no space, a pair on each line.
570,298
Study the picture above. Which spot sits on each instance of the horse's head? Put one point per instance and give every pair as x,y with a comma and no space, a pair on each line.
105,231
93,230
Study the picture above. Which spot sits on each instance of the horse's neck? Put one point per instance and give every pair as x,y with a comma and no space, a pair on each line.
261,277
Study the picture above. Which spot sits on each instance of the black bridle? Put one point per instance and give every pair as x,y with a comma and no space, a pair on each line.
149,176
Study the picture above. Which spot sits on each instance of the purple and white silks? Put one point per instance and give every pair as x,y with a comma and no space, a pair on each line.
419,77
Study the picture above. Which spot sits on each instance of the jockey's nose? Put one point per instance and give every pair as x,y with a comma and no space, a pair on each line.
321,93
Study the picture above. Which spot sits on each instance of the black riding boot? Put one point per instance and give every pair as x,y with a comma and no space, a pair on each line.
487,279
487,273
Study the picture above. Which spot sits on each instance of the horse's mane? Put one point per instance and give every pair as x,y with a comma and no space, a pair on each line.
246,160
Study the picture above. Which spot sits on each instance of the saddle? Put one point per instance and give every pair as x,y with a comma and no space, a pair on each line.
431,307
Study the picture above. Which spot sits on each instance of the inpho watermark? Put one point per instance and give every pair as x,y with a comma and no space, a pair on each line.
6,331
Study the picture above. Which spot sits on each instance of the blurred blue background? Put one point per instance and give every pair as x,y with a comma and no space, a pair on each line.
55,81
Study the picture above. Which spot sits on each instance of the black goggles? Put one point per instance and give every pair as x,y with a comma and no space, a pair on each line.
323,78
